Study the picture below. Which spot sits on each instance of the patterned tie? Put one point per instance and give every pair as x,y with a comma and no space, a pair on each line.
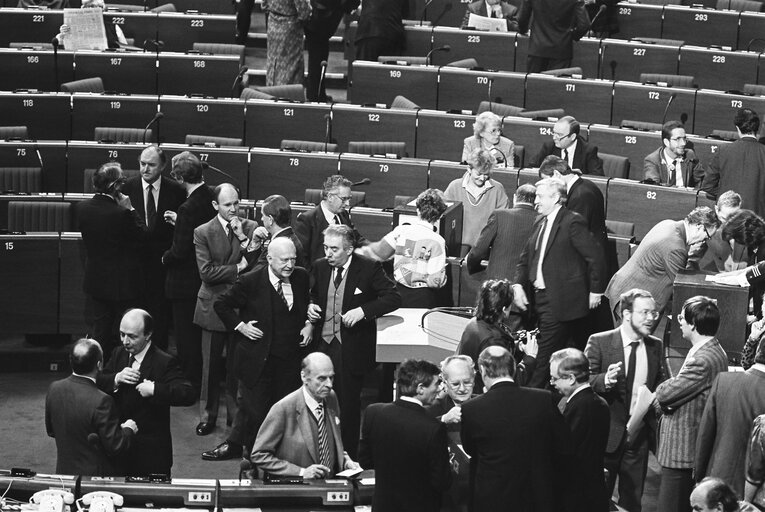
565,155
324,455
631,364
338,277
229,233
151,207
280,292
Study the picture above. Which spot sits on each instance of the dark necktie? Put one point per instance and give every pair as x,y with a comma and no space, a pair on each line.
280,292
151,206
338,277
671,169
537,251
494,14
631,364
325,458
565,155
230,233
131,361
337,219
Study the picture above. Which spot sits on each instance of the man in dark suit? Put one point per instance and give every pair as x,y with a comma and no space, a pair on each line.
586,415
333,209
405,446
153,194
723,255
502,431
740,166
555,26
145,381
380,30
301,433
225,248
458,377
113,234
276,216
499,9
622,361
183,281
348,293
672,164
571,147
76,410
268,310
562,269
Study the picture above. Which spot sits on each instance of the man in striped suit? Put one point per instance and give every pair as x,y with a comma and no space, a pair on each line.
681,400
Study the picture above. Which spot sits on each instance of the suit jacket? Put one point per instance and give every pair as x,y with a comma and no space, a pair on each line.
183,279
217,259
587,417
309,227
573,265
659,257
501,241
496,433
74,409
735,400
606,348
286,442
366,286
382,18
509,12
262,253
586,199
717,252
741,167
586,156
153,445
251,297
556,25
682,399
656,168
407,448
113,238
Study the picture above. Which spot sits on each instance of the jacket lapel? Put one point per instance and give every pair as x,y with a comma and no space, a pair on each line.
303,416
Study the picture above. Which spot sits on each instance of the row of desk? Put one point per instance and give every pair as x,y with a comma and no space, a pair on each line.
203,6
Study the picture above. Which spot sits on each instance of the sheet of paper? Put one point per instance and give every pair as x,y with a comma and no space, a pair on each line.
348,473
643,403
487,24
86,29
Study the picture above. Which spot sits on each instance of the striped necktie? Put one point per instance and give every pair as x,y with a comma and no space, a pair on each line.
324,455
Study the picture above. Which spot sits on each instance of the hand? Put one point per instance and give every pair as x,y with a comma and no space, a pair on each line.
531,347
351,464
316,471
124,201
453,416
732,273
595,300
236,226
519,297
757,329
307,335
314,312
612,373
127,376
249,330
353,317
64,29
241,265
170,217
131,425
146,388
260,232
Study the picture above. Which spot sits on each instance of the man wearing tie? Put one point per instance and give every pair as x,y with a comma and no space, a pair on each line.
672,164
153,194
571,147
349,292
268,310
493,9
622,361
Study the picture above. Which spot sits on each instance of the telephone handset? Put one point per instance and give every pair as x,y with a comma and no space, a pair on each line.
102,501
52,500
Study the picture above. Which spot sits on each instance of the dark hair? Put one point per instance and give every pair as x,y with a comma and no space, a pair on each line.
343,231
702,313
414,372
720,493
747,121
493,297
148,320
553,163
278,208
746,228
187,166
332,182
108,177
573,124
431,204
160,153
627,299
666,129
572,362
496,362
85,356
217,190
526,193
703,215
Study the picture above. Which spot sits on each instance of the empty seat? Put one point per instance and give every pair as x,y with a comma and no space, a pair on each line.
87,178
36,46
164,8
554,113
520,156
756,89
615,166
670,80
14,132
725,134
117,134
20,179
401,200
410,60
313,196
221,49
378,148
38,216
564,72
740,5
307,145
464,63
248,93
403,102
621,237
658,40
640,125
207,139
500,109
94,84
294,92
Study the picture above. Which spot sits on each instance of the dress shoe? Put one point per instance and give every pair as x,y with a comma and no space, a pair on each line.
224,451
205,427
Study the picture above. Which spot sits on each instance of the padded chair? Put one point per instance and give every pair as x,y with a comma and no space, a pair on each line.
35,46
520,156
555,113
464,63
615,166
402,102
221,49
125,7
87,178
248,93
641,125
307,145
13,132
564,72
725,134
621,237
401,200
756,89
21,179
313,196
39,216
94,84
164,8
293,92
500,109
740,5
658,40
670,80
407,60
378,148
218,141
116,134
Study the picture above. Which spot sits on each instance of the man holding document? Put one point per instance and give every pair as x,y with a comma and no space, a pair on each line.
492,10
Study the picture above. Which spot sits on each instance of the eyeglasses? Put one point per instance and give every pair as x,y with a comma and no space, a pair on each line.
560,135
342,199
647,312
553,379
706,232
460,384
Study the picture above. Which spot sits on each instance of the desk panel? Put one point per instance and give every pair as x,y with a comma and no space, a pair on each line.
197,74
310,495
24,68
521,53
29,304
389,177
91,155
492,50
705,148
46,115
719,69
179,31
380,83
638,20
200,116
528,133
587,56
638,102
89,111
288,173
751,26
634,144
703,27
626,60
203,6
446,13
354,123
442,136
139,26
233,163
463,89
76,309
716,109
586,99
122,72
29,25
267,122
419,40
51,156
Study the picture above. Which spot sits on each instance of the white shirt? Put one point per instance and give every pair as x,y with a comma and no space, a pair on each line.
677,162
577,390
496,8
311,403
84,377
539,284
139,356
286,287
194,187
641,364
344,267
154,192
411,399
328,214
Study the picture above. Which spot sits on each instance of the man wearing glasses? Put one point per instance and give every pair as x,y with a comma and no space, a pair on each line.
571,147
458,378
333,209
673,164
662,253
622,361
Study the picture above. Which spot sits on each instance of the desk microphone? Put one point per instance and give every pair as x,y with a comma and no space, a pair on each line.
491,83
321,79
444,48
666,108
328,125
157,117
495,148
424,11
237,80
55,42
612,65
754,40
93,440
365,181
206,166
601,10
244,465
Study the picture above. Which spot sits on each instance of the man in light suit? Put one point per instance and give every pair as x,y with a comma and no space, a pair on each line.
567,144
660,256
563,271
621,362
735,400
292,441
499,9
225,248
348,293
672,164
682,398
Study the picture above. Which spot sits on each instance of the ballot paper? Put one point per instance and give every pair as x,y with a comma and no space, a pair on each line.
642,404
86,29
488,24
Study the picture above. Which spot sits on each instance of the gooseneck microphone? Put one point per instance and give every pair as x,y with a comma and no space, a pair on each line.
444,48
365,181
491,83
232,180
321,79
237,80
328,125
601,10
504,156
424,11
666,108
55,42
157,117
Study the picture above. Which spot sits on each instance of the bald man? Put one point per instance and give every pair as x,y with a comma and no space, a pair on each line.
267,309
